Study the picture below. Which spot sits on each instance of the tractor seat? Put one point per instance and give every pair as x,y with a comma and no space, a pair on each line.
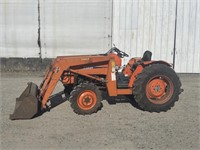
146,57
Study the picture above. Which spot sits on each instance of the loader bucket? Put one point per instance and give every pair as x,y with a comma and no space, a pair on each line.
27,104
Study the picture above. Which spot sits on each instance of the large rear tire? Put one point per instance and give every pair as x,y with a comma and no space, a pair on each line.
86,99
156,88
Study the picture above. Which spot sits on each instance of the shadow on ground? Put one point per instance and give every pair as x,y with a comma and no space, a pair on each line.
54,100
120,99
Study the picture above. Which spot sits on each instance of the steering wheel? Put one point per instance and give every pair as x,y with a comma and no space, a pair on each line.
121,54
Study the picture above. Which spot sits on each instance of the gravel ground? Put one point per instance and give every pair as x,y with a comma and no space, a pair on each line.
118,126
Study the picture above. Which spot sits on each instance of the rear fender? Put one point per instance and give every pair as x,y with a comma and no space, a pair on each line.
146,63
140,67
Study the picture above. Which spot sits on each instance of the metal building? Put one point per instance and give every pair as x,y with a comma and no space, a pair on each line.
169,28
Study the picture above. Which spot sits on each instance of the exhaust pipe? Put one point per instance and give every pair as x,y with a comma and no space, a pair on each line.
27,105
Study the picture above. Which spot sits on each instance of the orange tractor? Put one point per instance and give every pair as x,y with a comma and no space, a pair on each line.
153,84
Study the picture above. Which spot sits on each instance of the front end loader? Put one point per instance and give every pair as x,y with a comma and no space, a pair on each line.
154,85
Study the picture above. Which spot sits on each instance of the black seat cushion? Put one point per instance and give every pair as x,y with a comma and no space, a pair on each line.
147,56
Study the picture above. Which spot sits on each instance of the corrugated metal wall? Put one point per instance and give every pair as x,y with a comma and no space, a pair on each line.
71,27
18,28
140,25
67,27
187,56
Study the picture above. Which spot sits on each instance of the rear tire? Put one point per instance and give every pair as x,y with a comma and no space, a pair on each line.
85,99
156,88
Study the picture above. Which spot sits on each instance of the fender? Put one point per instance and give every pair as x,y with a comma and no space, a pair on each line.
146,63
141,66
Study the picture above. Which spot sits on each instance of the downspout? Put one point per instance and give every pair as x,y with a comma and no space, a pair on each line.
111,45
39,40
174,50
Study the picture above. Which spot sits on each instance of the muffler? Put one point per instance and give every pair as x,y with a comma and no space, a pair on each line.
27,105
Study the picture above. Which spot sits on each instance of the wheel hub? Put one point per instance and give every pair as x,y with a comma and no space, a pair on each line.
156,88
87,100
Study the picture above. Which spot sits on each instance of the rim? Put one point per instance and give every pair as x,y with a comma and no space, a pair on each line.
159,89
87,100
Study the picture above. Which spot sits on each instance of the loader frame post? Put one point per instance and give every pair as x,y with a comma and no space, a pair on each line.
50,84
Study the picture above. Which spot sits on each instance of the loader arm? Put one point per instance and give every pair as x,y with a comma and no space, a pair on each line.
58,66
50,81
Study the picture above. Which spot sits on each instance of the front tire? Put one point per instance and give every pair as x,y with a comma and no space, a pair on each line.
156,88
85,99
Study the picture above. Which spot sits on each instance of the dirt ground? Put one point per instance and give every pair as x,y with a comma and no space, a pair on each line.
116,126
